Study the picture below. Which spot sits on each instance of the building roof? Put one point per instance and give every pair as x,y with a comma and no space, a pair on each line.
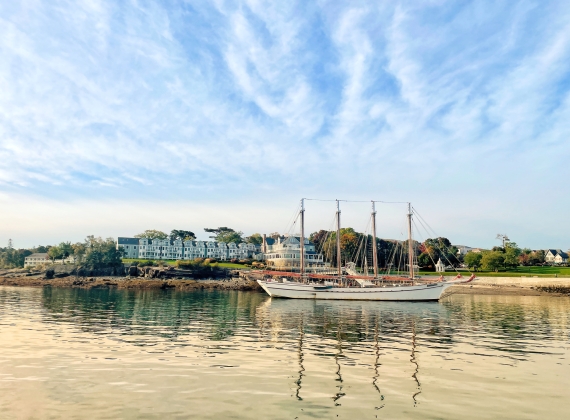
128,241
296,240
556,252
562,253
270,241
39,255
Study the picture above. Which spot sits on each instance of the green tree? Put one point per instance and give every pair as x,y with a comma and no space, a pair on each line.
319,238
102,253
55,253
225,234
255,239
440,249
473,260
512,253
13,258
182,235
66,249
152,234
79,250
492,260
424,260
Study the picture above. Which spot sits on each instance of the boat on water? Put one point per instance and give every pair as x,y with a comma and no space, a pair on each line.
347,284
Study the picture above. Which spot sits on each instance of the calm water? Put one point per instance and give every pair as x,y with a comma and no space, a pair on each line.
94,354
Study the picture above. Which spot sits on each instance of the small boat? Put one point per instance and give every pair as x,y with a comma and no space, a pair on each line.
347,284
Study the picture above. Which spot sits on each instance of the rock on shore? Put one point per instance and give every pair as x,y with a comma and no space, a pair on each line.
131,283
136,278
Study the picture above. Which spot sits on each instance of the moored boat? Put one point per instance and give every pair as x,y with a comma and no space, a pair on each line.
346,284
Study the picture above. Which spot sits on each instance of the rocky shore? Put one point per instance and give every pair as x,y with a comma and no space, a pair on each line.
170,278
135,278
239,283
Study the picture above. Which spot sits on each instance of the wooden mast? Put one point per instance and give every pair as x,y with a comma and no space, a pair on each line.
374,250
302,239
410,245
338,240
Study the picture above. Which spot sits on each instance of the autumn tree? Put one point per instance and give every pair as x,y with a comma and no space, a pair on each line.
440,248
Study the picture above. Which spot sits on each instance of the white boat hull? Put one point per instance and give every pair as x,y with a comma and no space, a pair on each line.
293,290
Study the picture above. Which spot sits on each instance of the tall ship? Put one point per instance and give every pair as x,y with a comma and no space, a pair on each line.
310,278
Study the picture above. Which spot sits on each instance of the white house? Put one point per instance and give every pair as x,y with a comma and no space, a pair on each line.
286,254
165,249
130,246
43,258
555,256
36,259
463,249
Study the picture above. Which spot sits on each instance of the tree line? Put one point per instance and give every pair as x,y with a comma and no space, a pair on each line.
92,253
509,256
219,234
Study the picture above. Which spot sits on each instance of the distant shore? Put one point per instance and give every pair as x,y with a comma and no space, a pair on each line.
249,284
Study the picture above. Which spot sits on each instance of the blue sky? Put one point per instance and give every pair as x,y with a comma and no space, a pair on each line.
119,116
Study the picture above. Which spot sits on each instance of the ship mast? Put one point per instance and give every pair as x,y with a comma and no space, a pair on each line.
302,239
338,240
410,245
374,250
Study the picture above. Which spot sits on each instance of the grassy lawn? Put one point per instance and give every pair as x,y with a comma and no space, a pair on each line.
130,260
512,272
516,272
233,266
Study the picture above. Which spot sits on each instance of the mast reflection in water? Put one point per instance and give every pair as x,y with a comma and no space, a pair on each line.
127,354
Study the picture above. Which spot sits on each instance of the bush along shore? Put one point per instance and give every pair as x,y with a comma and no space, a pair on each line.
129,277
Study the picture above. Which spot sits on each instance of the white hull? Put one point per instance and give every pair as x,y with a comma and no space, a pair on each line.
293,290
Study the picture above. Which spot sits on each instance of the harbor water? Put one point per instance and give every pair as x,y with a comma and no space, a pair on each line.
111,354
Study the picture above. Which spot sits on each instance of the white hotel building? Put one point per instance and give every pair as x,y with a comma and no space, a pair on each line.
159,249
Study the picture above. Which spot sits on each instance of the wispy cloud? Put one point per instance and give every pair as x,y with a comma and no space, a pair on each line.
438,99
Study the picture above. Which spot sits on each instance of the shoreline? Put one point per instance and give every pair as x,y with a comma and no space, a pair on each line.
242,283
132,283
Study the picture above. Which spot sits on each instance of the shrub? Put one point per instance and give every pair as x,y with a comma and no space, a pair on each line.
186,265
147,263
199,260
143,263
234,261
